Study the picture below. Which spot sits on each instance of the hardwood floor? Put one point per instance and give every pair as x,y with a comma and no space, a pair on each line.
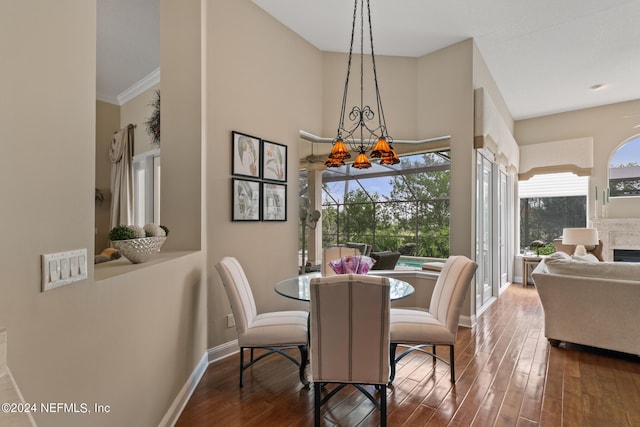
507,375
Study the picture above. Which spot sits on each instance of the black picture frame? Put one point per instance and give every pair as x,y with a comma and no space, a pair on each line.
274,161
246,151
274,201
245,200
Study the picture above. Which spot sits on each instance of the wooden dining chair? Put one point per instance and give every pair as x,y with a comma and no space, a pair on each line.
419,328
274,331
350,337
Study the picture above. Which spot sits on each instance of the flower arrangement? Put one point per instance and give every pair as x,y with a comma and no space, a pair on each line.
137,243
537,244
356,264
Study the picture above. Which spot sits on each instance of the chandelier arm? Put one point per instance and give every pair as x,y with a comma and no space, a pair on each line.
346,82
381,119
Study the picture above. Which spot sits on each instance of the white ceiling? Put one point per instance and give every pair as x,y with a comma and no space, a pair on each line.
544,55
127,47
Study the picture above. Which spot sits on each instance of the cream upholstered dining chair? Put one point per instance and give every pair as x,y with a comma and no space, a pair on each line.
350,337
274,331
418,328
332,253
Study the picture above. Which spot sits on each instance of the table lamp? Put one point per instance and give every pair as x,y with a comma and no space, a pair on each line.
580,237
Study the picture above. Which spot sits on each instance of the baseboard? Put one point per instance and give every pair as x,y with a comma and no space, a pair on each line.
17,392
222,351
467,321
173,413
211,355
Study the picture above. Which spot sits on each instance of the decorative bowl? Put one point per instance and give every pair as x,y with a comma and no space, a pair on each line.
139,250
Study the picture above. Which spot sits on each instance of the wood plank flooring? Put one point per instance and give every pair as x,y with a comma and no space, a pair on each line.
507,375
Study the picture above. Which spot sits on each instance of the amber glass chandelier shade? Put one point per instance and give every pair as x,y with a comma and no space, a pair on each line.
334,163
381,149
390,159
339,151
362,162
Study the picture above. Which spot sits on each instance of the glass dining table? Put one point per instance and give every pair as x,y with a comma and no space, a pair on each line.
298,287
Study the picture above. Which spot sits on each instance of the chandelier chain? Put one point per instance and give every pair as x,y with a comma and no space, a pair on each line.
346,82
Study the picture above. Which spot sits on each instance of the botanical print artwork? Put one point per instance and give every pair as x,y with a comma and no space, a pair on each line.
275,161
246,155
246,200
274,202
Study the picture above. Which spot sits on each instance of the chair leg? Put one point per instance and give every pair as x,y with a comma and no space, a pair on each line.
392,360
452,363
316,404
383,406
241,364
304,354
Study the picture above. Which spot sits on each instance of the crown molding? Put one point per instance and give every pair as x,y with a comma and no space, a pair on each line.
136,89
107,98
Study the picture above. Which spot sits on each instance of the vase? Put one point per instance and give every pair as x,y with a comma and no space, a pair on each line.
138,250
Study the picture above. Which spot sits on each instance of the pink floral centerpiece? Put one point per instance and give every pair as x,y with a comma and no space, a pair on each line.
352,264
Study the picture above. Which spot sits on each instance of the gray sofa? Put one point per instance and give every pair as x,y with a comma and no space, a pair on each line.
590,303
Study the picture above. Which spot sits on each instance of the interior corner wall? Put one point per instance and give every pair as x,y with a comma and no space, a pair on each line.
482,78
446,107
264,80
609,129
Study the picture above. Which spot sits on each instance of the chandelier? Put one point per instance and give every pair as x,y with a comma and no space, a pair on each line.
367,129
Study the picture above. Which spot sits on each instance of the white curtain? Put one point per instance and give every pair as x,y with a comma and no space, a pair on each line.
121,153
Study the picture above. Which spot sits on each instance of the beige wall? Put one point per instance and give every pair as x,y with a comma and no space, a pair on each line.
263,80
107,121
609,129
397,79
137,111
137,334
445,107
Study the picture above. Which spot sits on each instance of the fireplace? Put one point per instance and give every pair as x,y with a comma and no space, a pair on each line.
626,255
619,234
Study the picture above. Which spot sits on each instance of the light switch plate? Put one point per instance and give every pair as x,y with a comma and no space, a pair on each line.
63,268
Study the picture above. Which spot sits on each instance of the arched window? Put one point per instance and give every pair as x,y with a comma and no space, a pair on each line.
624,170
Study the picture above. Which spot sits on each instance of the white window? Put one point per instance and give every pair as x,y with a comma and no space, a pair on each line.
549,203
146,188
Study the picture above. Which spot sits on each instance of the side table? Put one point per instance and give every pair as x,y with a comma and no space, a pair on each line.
529,262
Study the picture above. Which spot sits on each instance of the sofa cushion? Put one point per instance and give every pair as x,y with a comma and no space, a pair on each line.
610,270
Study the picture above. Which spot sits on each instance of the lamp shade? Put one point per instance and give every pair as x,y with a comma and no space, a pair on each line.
580,236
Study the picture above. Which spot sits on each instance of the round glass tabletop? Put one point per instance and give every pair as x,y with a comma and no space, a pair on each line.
298,287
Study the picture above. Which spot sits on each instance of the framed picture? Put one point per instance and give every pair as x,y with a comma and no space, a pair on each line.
246,154
245,200
274,161
274,202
